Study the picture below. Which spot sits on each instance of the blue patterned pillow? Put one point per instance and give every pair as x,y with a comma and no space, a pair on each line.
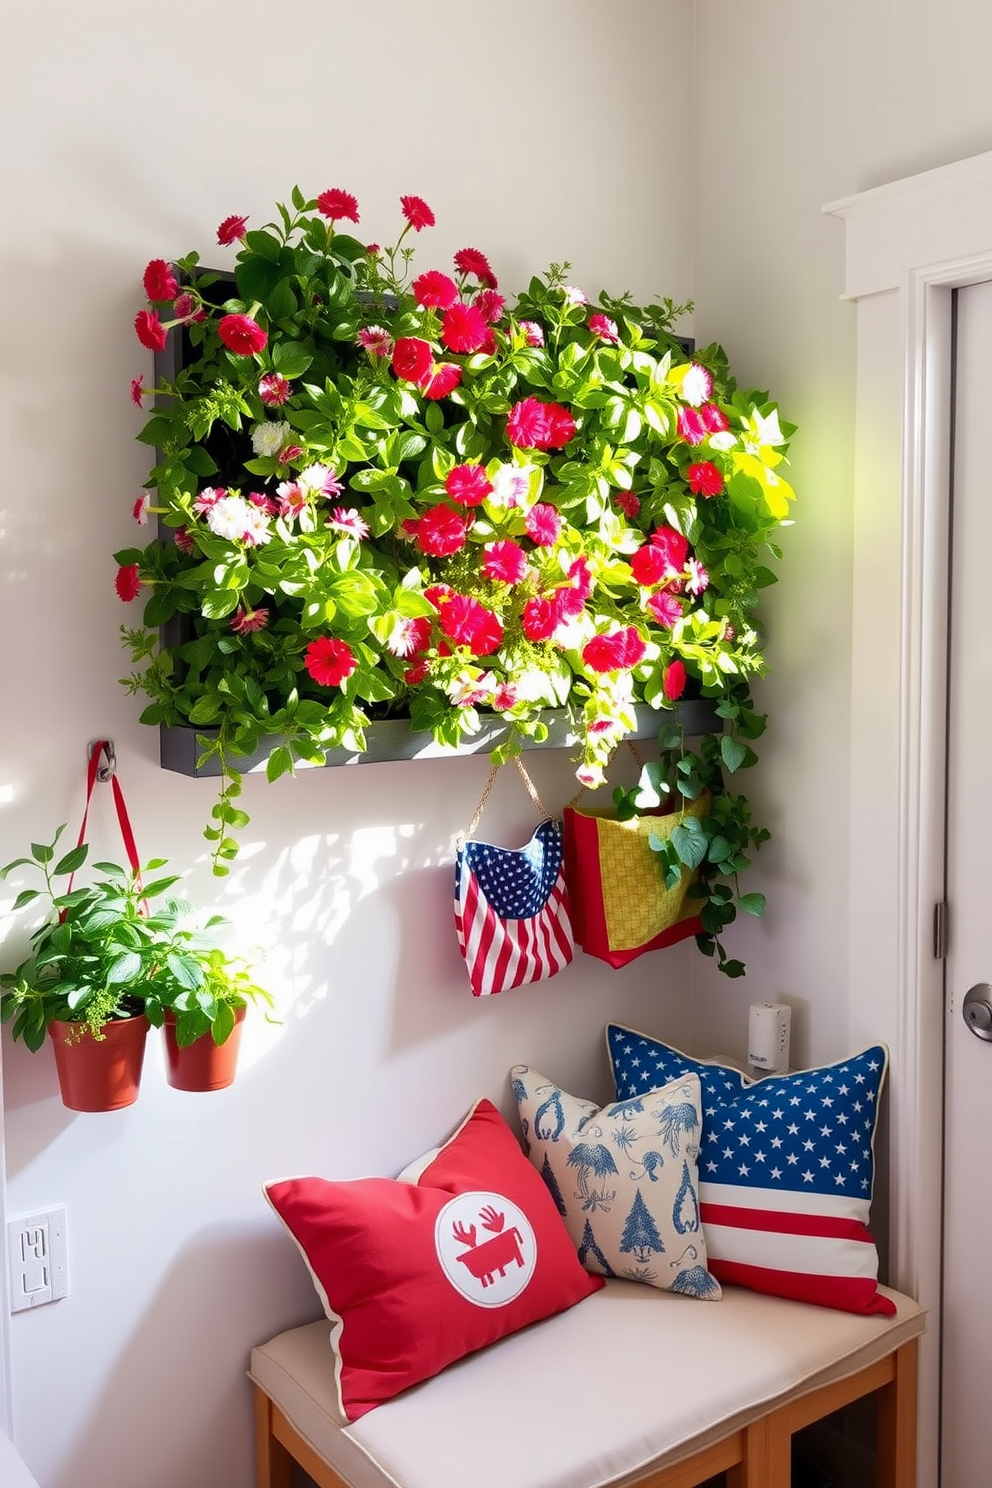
785,1169
623,1178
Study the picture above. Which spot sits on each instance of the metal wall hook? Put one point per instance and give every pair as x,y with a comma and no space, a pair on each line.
108,769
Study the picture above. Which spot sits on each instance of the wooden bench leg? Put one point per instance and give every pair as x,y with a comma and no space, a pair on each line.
767,1461
896,1423
273,1464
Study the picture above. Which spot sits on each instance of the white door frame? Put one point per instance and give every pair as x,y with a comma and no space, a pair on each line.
6,1408
907,245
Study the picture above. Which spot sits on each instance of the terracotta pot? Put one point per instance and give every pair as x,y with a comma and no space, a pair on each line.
202,1065
99,1074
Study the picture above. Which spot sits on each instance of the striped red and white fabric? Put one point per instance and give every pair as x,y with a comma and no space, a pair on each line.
786,1169
511,911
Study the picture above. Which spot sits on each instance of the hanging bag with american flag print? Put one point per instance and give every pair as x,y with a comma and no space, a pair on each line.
511,904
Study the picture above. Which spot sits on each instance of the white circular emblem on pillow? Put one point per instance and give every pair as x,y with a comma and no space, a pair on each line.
486,1246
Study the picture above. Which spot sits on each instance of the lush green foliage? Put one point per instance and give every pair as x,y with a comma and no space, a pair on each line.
105,952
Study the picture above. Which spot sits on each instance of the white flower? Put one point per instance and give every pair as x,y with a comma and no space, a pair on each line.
511,485
574,296
697,384
320,480
257,527
269,438
232,517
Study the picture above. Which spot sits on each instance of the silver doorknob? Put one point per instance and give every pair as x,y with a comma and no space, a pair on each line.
977,1010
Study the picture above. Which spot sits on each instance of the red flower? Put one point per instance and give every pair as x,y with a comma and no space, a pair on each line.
443,379
149,330
337,205
533,333
438,594
241,334
561,426
469,485
628,503
159,281
614,653
605,328
417,212
544,524
230,230
527,424
505,561
649,566
540,618
691,425
714,419
137,390
505,697
674,681
329,661
471,261
184,542
413,359
434,290
704,479
673,546
491,305
468,623
274,389
127,582
187,308
665,608
247,622
441,532
464,328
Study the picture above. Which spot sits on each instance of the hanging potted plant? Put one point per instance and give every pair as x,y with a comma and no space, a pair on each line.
383,492
109,960
203,1024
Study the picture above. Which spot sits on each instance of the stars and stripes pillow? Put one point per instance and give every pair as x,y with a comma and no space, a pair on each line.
511,911
786,1169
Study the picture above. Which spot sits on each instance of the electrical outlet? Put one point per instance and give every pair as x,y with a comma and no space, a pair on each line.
36,1259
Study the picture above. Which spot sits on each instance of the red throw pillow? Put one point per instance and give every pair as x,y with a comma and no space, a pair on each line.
415,1274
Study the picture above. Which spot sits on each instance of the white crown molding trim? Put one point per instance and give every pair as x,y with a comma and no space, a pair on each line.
908,245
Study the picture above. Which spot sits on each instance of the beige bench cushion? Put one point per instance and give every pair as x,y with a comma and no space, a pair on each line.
628,1377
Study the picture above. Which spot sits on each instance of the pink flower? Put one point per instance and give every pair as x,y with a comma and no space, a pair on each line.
184,542
242,335
247,622
409,636
441,532
697,384
139,510
468,623
532,424
413,359
464,328
274,389
505,560
573,296
263,502
329,661
505,697
674,681
691,426
137,390
417,212
230,230
434,290
698,579
704,479
540,618
127,583
159,281
208,497
187,308
665,608
150,331
490,305
289,452
468,485
605,328
544,524
321,480
292,499
714,419
533,333
614,653
376,340
338,205
649,566
373,250
471,261
628,503
347,520
571,597
444,378
673,546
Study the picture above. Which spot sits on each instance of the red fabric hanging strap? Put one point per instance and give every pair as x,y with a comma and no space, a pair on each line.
102,750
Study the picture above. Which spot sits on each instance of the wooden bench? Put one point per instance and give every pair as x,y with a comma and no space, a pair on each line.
632,1386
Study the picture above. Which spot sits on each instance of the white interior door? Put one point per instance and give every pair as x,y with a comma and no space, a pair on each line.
966,1459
